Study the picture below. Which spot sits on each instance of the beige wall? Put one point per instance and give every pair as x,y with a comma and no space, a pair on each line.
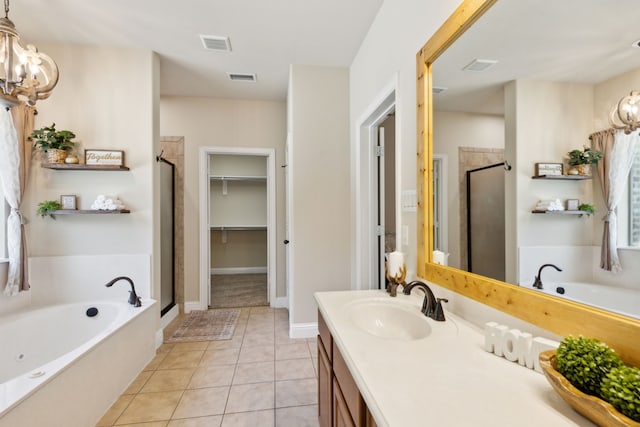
240,249
207,122
319,191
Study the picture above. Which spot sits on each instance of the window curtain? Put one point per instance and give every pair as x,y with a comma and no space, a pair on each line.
618,151
15,127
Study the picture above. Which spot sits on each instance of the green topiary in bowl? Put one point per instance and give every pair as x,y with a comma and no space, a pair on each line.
585,362
621,388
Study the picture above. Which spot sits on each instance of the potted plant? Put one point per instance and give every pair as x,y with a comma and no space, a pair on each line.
54,142
47,207
587,208
582,160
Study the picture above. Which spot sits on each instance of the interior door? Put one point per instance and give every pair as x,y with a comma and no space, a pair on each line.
380,211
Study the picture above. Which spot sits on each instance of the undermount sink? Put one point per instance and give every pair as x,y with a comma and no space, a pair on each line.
389,319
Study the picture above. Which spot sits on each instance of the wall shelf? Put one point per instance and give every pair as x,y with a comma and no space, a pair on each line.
89,212
563,177
83,167
579,213
237,227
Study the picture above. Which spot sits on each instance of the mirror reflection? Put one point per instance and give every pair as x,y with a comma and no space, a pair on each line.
526,84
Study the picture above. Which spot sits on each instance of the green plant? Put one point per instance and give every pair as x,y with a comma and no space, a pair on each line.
587,207
585,362
585,156
48,138
621,388
46,208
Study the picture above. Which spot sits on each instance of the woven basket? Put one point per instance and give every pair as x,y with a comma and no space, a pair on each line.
56,156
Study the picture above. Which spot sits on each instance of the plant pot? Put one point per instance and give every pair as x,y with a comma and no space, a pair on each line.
56,156
584,169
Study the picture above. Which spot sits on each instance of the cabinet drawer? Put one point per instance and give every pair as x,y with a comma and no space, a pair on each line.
324,333
350,391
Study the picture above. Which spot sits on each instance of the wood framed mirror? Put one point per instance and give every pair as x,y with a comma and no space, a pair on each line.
559,316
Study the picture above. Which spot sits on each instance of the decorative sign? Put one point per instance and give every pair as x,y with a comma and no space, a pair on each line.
68,201
546,169
104,157
572,204
516,346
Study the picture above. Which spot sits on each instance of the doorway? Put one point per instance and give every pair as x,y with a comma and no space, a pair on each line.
385,153
237,226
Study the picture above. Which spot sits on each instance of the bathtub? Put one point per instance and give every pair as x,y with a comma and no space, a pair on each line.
59,366
619,300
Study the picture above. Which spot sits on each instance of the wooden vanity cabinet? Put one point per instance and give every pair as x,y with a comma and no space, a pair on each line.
339,401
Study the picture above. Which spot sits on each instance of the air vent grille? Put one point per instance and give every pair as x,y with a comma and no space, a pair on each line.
480,65
217,43
242,77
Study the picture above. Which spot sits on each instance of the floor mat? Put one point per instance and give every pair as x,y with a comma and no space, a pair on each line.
210,325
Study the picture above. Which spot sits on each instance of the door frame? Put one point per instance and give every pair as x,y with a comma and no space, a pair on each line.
205,256
364,185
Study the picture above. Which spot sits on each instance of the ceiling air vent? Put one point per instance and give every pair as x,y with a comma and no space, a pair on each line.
479,65
239,77
217,43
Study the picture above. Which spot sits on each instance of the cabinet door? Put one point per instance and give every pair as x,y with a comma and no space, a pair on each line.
325,390
341,415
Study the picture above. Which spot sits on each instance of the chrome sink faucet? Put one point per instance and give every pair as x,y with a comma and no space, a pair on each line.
537,283
431,306
134,299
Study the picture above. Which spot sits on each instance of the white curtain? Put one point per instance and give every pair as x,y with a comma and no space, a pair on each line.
14,166
620,163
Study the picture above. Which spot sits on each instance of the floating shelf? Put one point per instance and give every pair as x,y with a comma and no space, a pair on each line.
237,227
563,177
559,212
89,212
82,167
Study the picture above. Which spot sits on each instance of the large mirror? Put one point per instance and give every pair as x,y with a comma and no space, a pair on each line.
550,74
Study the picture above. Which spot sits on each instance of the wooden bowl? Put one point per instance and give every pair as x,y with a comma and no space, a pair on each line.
595,409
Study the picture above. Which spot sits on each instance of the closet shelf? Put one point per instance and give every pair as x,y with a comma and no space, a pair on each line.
237,227
237,178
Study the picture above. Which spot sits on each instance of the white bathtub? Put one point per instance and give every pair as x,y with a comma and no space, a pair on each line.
58,366
619,300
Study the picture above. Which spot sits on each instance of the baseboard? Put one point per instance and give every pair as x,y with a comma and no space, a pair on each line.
238,270
190,306
303,330
280,302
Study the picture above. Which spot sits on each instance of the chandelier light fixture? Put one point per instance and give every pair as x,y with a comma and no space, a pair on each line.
25,74
626,115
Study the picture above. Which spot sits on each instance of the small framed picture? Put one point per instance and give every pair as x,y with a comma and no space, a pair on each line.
549,169
104,157
68,201
572,204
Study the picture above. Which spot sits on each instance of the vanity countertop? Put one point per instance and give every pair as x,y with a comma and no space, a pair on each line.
445,379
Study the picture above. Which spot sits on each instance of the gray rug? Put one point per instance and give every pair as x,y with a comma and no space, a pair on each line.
238,290
210,325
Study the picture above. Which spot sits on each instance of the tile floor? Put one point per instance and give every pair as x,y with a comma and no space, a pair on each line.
259,378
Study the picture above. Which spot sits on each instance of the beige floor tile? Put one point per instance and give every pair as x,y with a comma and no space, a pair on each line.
250,419
259,338
213,421
298,416
190,346
222,356
165,347
259,328
151,424
314,360
296,393
282,337
212,376
148,407
181,359
156,361
168,380
294,369
253,373
137,384
262,310
260,353
250,397
234,342
115,411
202,402
297,350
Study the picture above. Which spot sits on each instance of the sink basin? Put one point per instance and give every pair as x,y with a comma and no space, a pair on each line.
390,320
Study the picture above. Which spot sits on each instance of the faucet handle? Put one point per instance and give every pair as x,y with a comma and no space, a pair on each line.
439,312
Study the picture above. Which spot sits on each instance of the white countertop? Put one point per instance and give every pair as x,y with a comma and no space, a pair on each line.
445,379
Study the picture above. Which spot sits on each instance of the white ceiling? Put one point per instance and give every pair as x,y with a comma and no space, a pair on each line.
580,41
266,37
